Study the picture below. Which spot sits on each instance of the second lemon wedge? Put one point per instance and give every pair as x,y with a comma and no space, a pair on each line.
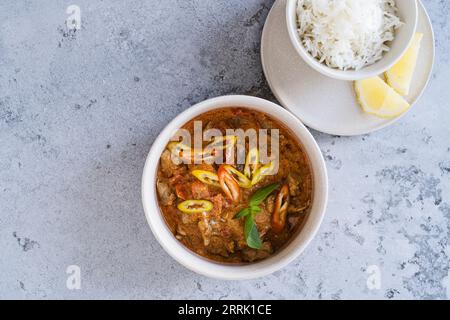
400,75
379,99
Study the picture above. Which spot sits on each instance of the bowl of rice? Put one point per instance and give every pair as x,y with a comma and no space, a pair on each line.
351,39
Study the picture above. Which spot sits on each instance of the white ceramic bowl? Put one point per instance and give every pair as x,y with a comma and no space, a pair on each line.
408,11
207,267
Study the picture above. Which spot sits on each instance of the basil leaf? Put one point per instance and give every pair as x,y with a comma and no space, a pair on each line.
243,213
255,209
251,233
261,195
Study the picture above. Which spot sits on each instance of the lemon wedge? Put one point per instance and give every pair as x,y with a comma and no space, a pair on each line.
400,75
379,99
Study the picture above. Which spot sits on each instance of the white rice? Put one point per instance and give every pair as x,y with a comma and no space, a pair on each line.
347,34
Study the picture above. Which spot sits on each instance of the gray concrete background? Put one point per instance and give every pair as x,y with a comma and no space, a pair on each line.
80,110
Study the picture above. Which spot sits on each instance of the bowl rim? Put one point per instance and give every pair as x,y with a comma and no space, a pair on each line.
216,270
346,75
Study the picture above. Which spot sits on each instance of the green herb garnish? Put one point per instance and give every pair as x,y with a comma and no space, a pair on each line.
250,231
259,196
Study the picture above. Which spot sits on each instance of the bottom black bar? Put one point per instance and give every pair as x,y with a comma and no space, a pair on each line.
223,309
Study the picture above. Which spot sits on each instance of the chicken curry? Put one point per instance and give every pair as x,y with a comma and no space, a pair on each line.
235,212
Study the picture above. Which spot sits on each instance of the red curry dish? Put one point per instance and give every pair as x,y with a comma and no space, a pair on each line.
236,213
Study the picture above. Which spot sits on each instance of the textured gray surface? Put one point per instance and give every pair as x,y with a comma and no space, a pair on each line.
80,110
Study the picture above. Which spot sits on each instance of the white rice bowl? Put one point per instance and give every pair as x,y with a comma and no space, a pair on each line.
347,34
